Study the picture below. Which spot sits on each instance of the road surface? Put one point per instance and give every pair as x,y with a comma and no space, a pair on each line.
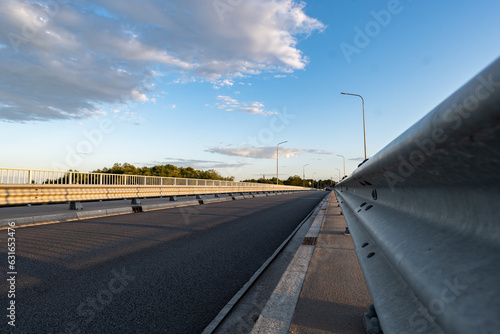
165,271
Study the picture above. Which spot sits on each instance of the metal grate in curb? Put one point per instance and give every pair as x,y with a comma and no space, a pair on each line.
309,241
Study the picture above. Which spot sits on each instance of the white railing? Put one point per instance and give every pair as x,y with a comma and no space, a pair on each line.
32,186
16,176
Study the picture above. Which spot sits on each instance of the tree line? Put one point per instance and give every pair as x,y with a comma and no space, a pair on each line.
296,181
128,169
167,170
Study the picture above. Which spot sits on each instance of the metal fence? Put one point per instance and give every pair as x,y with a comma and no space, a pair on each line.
41,177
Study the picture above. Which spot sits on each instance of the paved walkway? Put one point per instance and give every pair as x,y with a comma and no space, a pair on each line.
334,296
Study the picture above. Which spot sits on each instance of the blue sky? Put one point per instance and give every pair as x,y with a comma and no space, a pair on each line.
218,83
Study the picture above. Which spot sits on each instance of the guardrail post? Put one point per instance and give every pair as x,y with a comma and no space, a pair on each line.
70,178
75,206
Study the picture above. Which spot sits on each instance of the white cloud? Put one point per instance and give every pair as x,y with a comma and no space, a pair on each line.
322,152
254,152
267,152
230,104
84,54
221,83
138,96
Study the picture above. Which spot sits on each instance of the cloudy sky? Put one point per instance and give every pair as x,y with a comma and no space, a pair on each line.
218,83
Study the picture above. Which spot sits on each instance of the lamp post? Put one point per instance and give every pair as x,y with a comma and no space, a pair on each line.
277,158
344,162
364,130
339,173
304,175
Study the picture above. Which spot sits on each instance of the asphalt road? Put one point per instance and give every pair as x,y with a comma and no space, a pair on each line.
166,271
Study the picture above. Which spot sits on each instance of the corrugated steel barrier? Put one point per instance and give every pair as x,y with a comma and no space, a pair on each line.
424,217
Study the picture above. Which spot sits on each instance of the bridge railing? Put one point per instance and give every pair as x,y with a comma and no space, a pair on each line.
31,186
424,218
16,176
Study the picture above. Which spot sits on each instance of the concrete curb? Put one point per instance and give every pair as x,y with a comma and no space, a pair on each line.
276,317
238,197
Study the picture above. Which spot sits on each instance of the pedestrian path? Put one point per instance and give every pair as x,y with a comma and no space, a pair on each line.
334,296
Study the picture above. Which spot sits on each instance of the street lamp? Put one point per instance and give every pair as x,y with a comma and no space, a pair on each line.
277,157
304,175
339,173
344,162
364,130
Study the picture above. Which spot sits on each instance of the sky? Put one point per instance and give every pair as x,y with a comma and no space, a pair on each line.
217,84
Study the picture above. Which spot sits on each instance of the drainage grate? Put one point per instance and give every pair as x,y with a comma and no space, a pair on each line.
309,241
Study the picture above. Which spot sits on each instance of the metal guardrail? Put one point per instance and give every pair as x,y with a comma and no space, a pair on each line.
29,186
423,214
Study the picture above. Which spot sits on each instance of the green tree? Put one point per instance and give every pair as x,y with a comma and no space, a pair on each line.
294,181
167,170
